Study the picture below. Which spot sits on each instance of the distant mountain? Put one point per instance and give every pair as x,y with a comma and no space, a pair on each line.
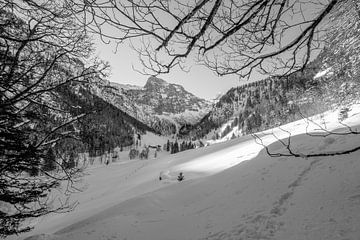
166,98
163,106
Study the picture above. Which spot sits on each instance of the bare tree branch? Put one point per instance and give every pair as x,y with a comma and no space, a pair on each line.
226,36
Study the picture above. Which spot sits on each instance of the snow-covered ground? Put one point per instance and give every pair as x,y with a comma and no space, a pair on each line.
232,190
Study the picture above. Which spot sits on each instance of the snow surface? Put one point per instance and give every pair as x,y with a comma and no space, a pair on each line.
235,130
189,116
232,190
323,73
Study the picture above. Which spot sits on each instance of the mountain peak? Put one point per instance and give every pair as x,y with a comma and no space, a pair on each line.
154,81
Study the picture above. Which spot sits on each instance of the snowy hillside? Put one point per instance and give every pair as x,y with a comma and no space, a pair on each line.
232,190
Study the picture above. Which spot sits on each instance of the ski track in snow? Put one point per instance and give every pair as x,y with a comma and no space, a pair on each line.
263,225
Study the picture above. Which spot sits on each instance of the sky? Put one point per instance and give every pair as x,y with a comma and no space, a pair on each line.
200,81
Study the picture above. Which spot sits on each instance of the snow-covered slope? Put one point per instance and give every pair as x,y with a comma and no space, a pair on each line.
232,190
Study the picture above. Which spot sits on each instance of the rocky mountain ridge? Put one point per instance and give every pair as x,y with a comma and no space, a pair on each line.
164,106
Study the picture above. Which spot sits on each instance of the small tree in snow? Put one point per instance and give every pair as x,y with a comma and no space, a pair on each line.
168,145
343,114
180,177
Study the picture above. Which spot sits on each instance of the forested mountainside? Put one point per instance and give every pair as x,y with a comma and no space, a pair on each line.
103,127
259,105
159,104
95,126
331,80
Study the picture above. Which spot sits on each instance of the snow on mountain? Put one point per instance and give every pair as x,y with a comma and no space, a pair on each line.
232,190
164,97
125,86
217,98
324,73
189,116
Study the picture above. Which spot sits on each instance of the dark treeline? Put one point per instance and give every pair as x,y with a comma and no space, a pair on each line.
104,127
175,147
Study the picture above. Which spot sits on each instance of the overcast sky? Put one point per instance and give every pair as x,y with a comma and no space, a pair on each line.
199,80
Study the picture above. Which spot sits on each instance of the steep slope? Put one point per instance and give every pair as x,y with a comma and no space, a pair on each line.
259,105
223,195
104,126
161,105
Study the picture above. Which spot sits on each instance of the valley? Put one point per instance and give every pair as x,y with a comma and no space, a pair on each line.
231,190
90,150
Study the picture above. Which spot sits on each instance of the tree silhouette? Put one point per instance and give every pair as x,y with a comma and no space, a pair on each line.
42,48
168,145
50,163
274,37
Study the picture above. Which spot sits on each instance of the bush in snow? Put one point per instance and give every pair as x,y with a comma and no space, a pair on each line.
133,153
343,114
144,153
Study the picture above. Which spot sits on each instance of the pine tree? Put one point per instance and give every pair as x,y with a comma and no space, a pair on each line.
172,148
217,136
176,147
37,60
235,122
70,163
182,146
168,145
233,136
34,171
49,161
